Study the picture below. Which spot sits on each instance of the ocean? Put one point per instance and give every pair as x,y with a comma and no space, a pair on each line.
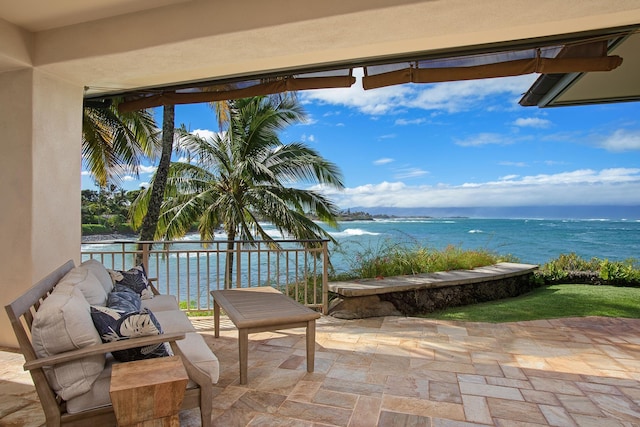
533,241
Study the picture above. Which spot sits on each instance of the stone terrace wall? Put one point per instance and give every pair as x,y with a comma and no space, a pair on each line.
422,301
411,295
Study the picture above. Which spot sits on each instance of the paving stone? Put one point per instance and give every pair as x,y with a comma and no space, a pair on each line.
409,405
557,416
537,396
476,409
366,412
516,411
315,413
395,419
487,390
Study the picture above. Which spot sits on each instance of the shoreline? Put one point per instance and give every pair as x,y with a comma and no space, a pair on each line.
104,237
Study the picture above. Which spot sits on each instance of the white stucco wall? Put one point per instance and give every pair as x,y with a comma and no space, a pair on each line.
40,124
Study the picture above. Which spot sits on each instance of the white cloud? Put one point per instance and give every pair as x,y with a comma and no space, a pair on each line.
516,164
405,173
450,97
147,169
485,139
144,185
85,173
307,138
617,186
533,122
309,120
204,133
554,162
622,140
405,122
383,161
387,136
509,177
128,178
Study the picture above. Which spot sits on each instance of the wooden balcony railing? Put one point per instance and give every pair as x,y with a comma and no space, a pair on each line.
191,269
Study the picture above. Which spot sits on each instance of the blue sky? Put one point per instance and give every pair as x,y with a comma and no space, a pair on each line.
460,144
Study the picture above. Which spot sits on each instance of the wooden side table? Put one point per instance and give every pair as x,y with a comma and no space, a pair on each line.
148,392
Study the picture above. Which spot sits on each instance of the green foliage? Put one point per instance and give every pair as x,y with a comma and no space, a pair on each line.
89,229
621,271
113,143
571,267
551,302
560,268
192,309
391,258
108,208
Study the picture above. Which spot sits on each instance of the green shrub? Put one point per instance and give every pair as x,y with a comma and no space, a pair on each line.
89,229
620,271
397,259
573,269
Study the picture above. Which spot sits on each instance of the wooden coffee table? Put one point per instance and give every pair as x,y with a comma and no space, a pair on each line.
263,309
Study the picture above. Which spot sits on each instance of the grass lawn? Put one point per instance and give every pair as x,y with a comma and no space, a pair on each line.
550,302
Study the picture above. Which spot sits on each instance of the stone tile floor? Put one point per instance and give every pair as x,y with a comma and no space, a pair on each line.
399,371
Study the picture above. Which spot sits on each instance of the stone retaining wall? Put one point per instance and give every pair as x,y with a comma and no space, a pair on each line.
425,299
422,301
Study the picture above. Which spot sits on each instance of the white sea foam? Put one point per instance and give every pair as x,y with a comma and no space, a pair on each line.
475,231
416,221
354,232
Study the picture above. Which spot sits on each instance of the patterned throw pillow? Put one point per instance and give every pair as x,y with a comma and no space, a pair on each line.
113,325
124,302
135,278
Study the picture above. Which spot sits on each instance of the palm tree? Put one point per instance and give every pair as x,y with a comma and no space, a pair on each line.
113,143
149,223
244,175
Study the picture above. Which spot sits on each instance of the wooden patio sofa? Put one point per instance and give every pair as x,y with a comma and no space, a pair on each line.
21,313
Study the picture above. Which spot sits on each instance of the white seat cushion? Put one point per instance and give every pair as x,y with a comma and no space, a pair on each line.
196,350
161,303
173,321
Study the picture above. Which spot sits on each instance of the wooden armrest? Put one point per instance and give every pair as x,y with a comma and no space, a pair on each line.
154,290
102,349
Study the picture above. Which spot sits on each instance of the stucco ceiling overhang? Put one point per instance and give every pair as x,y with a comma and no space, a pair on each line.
619,85
114,46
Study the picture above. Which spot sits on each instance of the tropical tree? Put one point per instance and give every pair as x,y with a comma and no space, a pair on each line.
149,223
113,143
244,175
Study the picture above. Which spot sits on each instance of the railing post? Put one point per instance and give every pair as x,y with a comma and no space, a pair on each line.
146,248
238,265
325,277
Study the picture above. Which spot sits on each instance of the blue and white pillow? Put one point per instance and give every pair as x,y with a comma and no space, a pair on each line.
124,302
135,279
113,325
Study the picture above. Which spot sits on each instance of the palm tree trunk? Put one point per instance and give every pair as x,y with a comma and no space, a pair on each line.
228,270
150,221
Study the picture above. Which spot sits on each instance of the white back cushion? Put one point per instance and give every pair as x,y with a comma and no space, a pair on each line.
62,323
100,272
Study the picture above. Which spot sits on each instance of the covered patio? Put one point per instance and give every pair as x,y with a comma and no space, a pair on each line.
403,371
55,55
391,371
